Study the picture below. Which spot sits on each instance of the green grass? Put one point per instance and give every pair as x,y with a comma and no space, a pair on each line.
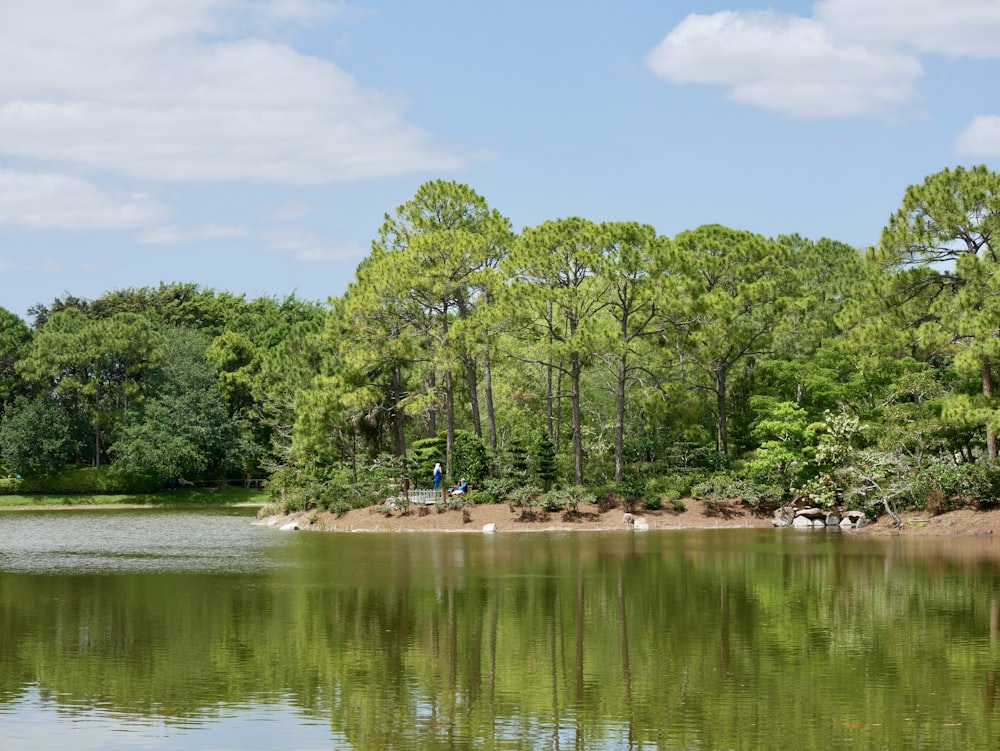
186,497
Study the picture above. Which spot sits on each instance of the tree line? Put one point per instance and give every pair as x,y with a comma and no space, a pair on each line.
718,360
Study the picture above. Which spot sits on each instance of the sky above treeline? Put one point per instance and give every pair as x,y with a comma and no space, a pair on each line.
253,146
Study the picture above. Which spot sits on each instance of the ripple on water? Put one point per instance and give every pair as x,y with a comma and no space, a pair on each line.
93,540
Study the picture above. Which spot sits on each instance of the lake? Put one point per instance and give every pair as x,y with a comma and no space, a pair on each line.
178,629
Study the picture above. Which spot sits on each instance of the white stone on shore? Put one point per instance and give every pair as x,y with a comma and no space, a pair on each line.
290,527
490,528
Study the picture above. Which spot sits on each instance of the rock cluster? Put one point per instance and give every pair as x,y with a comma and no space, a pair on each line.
793,516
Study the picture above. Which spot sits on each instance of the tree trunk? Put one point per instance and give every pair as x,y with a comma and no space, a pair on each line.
398,416
432,410
449,405
577,427
470,376
722,421
991,438
620,417
491,418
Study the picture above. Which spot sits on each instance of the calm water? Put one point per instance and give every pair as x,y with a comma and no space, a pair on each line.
197,630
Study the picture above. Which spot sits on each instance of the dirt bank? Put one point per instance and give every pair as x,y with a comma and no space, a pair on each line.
696,514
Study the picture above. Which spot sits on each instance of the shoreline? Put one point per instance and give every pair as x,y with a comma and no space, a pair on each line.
696,515
733,514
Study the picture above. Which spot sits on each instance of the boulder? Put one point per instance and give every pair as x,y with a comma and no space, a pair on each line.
640,524
802,522
290,527
810,512
489,529
783,516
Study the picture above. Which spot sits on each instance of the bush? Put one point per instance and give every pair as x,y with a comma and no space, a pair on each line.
526,498
90,481
469,457
955,484
723,486
496,490
652,502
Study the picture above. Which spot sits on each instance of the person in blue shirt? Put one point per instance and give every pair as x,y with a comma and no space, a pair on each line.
437,475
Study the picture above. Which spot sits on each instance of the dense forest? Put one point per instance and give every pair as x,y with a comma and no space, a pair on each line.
572,355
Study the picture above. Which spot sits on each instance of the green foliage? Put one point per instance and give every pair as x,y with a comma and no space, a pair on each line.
671,486
293,490
36,436
727,486
90,481
526,498
784,435
820,491
543,463
958,485
516,466
496,490
185,429
424,454
469,457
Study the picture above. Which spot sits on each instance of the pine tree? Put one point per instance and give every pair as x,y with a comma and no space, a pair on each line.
544,464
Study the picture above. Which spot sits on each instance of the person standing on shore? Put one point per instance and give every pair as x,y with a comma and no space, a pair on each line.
437,475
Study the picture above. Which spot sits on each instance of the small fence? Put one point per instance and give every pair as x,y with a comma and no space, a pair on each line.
425,497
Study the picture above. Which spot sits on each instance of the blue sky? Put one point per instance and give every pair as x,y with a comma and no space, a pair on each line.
254,146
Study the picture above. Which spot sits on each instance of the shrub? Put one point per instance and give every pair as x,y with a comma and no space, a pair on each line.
652,502
526,499
469,457
724,485
552,501
496,490
90,481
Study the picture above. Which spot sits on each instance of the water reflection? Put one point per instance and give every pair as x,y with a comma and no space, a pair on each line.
183,628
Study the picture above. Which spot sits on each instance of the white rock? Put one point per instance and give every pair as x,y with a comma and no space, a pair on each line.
640,523
290,527
802,521
489,529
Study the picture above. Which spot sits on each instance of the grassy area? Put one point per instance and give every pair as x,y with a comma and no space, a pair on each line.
179,497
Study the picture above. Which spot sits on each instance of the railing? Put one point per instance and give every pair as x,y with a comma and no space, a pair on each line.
425,497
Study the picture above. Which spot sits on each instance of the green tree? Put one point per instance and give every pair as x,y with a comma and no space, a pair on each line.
15,337
185,428
36,436
557,297
471,458
427,260
634,264
543,462
741,288
941,244
100,365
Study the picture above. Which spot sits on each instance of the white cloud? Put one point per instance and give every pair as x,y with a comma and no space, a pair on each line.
308,247
150,90
49,201
288,212
786,64
303,10
981,138
956,28
173,235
